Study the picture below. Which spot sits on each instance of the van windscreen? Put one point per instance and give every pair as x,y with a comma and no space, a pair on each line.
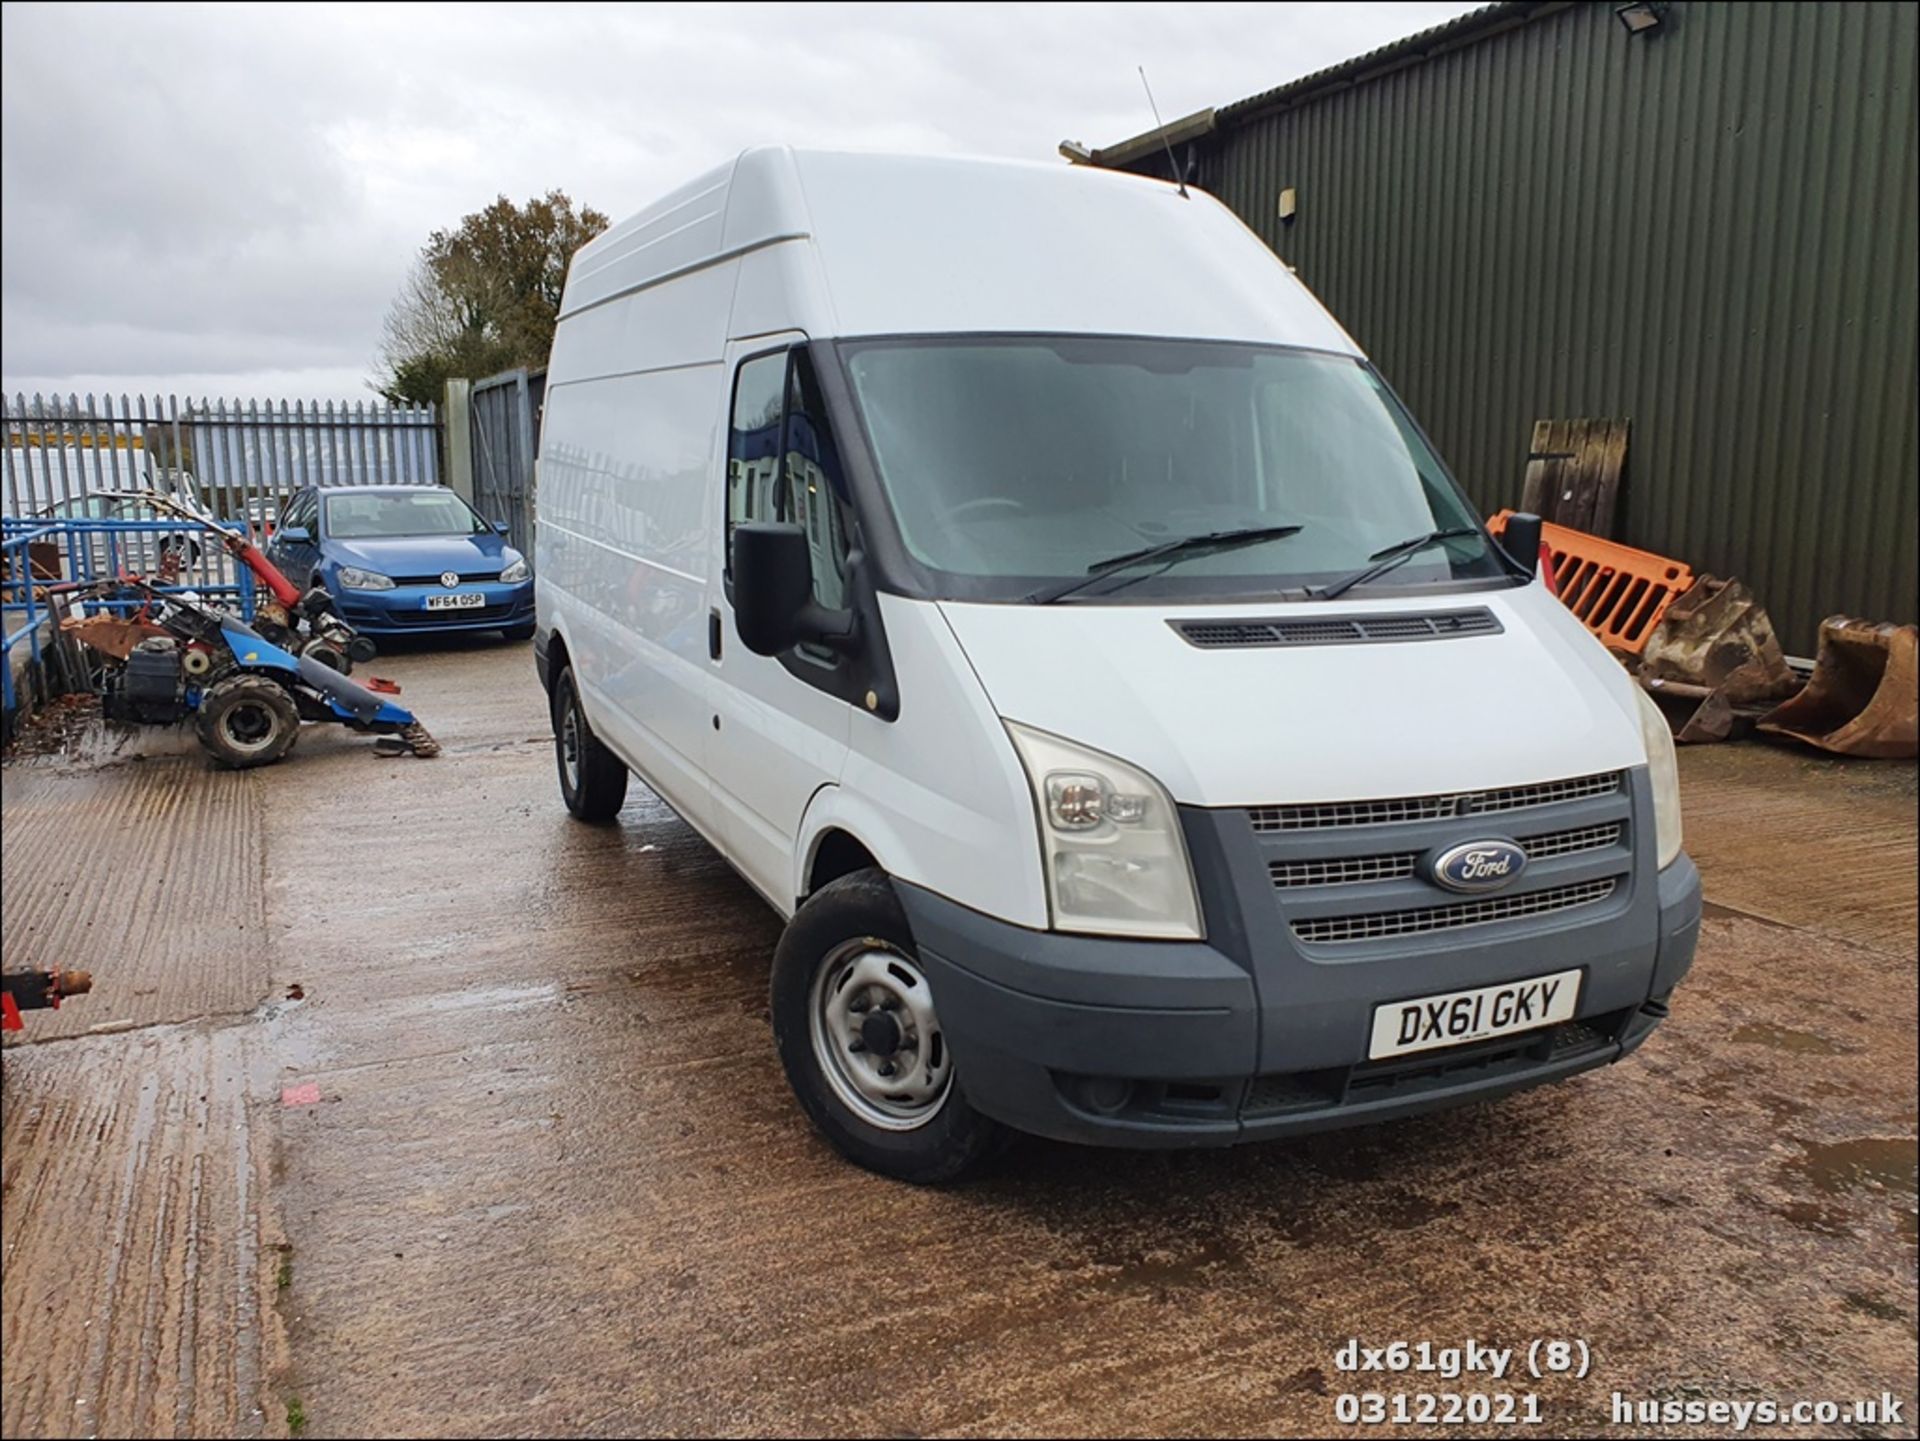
1012,462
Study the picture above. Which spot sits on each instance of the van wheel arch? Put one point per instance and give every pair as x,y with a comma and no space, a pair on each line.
837,853
557,657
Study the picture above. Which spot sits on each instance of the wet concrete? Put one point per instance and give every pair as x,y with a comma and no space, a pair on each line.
555,1183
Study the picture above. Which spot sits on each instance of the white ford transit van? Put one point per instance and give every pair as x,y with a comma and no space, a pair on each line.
1015,573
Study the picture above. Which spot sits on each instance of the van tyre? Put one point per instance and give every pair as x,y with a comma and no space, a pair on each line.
854,1020
593,780
246,721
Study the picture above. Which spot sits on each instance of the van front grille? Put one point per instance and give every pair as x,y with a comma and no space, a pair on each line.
1568,843
1348,871
1328,815
1339,930
1399,866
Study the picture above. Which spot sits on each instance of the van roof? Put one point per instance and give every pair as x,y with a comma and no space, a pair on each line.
904,244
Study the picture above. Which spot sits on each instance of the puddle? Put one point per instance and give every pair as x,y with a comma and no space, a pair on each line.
1783,1038
1879,1163
1162,1269
1882,1166
490,998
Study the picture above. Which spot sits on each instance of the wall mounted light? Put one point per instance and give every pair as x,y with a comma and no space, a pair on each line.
1289,204
1641,16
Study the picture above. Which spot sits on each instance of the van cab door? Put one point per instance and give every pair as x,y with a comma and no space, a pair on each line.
780,730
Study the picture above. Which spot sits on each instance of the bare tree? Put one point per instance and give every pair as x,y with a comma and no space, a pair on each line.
483,297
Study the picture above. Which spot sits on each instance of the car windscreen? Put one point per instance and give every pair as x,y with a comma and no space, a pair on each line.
1013,462
385,514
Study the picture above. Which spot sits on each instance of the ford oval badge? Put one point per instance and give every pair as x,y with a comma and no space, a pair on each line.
1479,866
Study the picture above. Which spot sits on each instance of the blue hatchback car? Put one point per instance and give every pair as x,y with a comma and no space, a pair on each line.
404,560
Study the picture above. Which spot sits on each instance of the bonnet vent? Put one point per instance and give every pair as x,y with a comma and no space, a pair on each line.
1337,629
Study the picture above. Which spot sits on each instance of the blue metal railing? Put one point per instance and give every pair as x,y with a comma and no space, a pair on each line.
83,559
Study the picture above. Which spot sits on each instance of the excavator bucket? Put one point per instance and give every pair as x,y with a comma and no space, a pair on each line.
1862,699
1713,661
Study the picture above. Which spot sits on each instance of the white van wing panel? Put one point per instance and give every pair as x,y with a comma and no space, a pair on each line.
937,796
1312,723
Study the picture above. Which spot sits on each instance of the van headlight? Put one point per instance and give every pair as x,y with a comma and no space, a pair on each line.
353,578
1110,842
1663,769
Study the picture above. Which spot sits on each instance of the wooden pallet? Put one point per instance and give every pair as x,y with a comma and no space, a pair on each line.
1573,473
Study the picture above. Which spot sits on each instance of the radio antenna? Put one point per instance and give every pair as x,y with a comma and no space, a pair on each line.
1173,166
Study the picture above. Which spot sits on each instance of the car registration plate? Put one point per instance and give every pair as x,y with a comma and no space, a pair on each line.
459,600
1456,1018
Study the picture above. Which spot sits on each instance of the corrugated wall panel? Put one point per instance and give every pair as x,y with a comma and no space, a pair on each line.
1713,230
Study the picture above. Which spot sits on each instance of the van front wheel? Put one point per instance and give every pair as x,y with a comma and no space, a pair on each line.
854,1019
593,780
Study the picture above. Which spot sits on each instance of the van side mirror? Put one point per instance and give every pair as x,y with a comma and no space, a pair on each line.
1521,540
773,605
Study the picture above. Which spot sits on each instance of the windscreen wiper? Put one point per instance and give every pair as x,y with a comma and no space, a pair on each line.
1170,551
1385,560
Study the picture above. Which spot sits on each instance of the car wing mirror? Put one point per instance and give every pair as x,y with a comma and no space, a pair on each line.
298,534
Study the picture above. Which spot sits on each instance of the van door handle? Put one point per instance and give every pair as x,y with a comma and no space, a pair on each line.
713,633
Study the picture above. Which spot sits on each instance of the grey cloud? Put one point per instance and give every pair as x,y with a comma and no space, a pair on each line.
235,193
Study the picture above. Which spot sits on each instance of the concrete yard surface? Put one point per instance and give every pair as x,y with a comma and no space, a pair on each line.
554,1182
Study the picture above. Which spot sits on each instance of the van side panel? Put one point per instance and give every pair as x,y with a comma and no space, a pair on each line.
635,398
676,231
781,288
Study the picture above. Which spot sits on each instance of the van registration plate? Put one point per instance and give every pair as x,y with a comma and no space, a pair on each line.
1456,1018
459,600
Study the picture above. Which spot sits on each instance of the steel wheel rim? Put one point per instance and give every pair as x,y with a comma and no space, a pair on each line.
859,982
570,742
259,728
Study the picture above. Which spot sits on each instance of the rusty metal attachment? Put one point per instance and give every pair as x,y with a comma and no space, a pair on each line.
1862,699
416,739
1714,662
110,634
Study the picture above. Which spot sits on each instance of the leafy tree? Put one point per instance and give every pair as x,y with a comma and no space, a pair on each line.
483,297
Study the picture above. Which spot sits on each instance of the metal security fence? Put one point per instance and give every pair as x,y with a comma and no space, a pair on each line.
237,461
506,438
240,459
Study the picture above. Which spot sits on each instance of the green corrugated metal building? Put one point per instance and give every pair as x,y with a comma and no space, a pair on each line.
1710,227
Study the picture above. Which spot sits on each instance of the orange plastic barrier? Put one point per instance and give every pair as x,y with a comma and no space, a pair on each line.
1618,592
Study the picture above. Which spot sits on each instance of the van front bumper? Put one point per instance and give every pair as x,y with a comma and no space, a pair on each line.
1165,1044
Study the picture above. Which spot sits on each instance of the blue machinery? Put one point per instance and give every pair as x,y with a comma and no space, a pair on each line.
183,658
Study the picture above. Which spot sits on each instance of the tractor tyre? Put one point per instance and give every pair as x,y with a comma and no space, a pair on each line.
246,721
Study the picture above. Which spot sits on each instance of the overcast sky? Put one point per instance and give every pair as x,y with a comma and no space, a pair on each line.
224,200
